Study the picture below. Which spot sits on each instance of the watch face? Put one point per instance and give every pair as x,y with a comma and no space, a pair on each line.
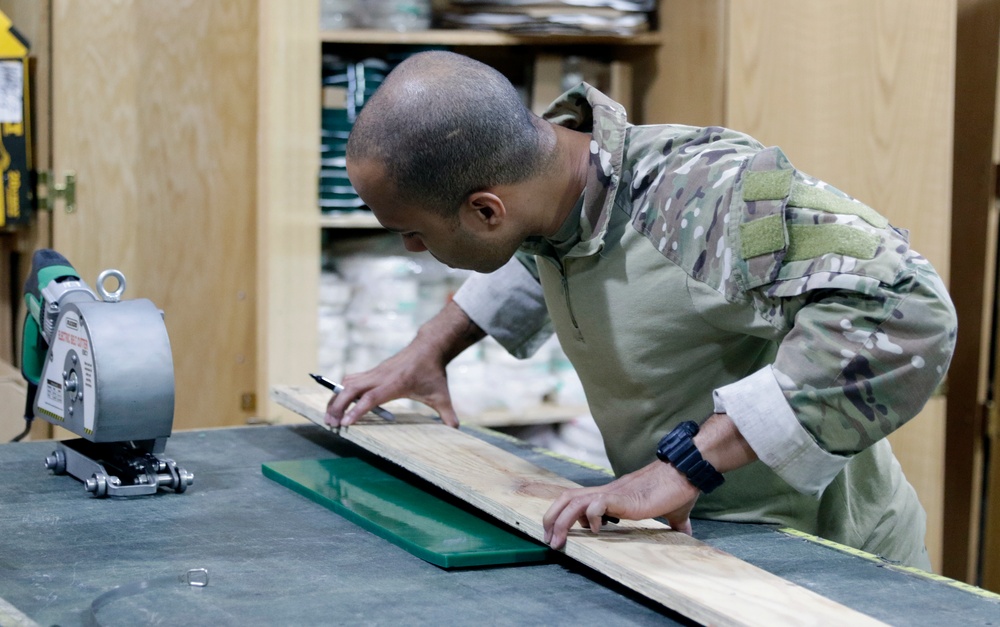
673,447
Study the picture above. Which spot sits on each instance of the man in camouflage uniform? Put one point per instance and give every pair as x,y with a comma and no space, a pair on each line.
690,274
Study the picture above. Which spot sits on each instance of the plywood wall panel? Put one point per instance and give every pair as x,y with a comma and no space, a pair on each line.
859,93
682,82
154,106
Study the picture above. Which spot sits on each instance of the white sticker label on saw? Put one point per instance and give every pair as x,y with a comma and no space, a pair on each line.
71,335
54,395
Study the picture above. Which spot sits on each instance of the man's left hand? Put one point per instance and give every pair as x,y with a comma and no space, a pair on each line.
654,490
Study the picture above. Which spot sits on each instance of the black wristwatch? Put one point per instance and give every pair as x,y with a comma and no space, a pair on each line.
677,448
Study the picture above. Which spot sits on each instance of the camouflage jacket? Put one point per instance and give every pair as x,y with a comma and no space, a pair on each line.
705,273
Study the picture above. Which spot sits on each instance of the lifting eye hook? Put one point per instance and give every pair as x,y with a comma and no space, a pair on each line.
115,296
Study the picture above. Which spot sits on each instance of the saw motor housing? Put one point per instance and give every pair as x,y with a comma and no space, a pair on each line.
101,368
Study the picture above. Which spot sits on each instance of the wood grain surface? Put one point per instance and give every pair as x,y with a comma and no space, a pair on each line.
288,234
683,574
860,93
154,107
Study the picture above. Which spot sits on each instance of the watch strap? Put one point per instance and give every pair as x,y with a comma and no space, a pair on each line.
678,449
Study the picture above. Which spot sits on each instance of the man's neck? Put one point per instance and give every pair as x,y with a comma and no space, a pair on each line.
566,178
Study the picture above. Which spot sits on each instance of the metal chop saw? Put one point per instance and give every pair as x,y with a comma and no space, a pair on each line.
101,368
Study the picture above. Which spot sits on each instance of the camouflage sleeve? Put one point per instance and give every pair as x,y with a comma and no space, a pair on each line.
865,325
508,304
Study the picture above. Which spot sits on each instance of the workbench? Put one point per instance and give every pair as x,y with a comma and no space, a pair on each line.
274,557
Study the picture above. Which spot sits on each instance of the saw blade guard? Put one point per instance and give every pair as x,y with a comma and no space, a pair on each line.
108,375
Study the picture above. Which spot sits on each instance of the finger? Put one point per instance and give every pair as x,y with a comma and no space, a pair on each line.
595,515
574,510
558,506
331,418
552,514
679,521
364,404
338,404
447,413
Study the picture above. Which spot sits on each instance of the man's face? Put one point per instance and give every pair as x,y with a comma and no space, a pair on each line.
444,237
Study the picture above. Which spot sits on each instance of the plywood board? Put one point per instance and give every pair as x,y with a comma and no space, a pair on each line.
154,107
683,574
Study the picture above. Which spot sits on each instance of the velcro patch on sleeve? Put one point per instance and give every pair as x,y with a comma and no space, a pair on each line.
762,236
811,197
767,184
812,241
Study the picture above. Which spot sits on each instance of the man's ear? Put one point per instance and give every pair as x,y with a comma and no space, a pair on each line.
483,210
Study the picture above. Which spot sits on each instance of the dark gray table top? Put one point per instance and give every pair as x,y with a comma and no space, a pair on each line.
275,557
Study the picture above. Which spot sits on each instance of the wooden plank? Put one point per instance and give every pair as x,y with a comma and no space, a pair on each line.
13,617
535,415
683,574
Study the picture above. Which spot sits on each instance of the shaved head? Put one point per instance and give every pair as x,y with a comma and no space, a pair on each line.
444,126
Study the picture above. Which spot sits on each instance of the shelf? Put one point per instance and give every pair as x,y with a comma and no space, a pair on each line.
542,414
446,37
349,220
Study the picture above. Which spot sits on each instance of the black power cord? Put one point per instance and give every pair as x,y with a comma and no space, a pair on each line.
29,415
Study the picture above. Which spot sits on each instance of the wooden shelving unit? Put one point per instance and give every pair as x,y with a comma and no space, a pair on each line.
349,220
444,37
490,46
491,42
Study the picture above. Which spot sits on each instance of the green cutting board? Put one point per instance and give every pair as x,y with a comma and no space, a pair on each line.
424,525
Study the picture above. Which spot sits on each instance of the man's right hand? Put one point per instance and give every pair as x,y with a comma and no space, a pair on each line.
416,372
411,373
